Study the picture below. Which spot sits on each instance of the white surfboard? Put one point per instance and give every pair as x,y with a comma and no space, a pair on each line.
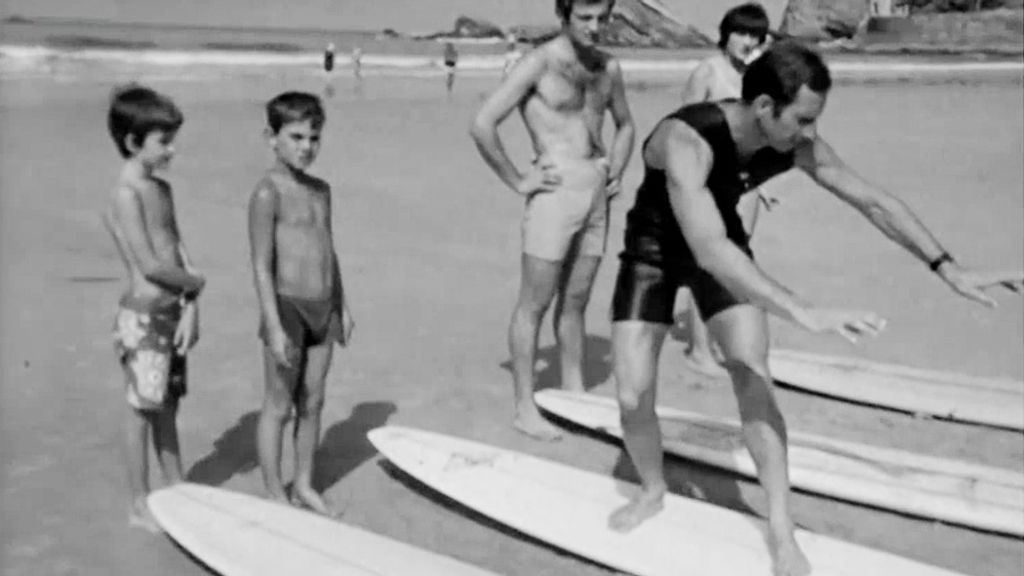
240,535
569,508
950,490
993,401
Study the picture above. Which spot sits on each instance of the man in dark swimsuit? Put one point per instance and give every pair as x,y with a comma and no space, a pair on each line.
684,230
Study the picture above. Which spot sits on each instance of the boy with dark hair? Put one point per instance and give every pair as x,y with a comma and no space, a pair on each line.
683,230
157,319
303,309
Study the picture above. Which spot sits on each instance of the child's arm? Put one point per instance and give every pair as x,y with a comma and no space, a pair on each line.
187,333
132,229
348,324
262,222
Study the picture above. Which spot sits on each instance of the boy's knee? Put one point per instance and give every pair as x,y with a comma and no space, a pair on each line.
310,404
279,409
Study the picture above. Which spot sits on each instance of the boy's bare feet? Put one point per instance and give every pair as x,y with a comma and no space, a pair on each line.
642,506
789,560
307,497
281,496
139,516
530,422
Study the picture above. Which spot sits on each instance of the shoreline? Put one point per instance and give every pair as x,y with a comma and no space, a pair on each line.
21,57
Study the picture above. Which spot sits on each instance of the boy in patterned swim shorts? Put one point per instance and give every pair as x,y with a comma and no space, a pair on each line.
157,321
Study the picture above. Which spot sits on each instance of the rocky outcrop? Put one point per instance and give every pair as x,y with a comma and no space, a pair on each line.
466,27
640,23
824,19
992,30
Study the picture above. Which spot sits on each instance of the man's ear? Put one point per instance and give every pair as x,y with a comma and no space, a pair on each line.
764,106
269,135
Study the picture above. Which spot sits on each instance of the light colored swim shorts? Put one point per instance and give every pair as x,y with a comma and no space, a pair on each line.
575,215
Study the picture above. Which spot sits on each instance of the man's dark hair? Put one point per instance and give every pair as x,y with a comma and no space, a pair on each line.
749,18
782,70
563,8
135,111
294,107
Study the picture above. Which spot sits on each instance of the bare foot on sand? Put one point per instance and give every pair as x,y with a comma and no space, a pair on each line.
531,423
139,516
306,497
789,560
644,505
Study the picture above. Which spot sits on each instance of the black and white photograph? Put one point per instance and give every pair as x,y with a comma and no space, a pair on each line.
511,288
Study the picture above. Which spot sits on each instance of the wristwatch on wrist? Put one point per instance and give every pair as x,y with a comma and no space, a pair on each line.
941,259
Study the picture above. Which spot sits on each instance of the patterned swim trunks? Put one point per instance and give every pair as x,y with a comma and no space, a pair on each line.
144,343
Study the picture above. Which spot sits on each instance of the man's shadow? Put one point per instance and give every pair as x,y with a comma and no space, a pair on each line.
343,447
597,365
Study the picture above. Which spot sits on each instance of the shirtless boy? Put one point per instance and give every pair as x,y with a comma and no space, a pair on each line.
684,230
563,89
303,309
157,320
742,34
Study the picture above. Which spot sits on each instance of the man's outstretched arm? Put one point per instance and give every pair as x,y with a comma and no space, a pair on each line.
899,223
688,161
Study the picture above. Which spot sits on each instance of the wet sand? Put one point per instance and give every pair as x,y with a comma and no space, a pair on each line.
429,241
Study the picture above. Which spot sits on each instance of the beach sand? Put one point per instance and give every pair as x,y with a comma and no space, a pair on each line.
429,245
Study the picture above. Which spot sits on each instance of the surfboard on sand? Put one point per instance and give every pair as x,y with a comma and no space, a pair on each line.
569,508
944,489
992,401
241,535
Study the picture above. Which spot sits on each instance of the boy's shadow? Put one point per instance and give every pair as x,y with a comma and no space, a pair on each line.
597,366
234,452
344,445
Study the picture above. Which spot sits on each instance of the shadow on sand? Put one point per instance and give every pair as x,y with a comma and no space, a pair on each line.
233,453
343,447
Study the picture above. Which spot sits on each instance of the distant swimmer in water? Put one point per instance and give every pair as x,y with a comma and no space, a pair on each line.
329,58
512,55
563,89
451,60
357,62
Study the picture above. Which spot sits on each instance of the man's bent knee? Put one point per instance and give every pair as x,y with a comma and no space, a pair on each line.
743,367
629,399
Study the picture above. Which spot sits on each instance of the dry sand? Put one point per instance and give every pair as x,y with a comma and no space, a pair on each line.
429,243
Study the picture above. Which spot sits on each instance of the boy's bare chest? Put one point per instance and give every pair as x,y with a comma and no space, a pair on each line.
158,209
303,209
